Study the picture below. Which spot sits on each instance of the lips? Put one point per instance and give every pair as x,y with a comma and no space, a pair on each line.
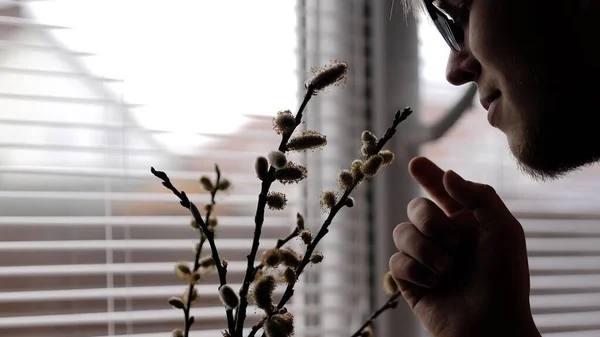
488,99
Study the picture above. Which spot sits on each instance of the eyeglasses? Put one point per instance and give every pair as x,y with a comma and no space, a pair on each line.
452,32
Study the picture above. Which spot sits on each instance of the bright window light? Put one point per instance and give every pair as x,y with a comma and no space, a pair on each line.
196,66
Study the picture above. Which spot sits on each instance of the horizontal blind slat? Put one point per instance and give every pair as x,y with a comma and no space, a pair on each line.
132,245
167,315
141,268
136,221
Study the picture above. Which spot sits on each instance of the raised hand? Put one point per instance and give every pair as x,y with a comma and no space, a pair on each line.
462,263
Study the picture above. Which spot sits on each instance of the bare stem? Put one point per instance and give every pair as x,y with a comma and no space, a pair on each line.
209,234
390,304
259,220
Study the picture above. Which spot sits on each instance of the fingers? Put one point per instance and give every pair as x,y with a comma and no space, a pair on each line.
430,257
430,177
432,222
410,272
485,203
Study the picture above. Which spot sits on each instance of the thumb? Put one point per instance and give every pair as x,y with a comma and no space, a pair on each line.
480,198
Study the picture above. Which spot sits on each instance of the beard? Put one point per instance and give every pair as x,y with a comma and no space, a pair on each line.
548,149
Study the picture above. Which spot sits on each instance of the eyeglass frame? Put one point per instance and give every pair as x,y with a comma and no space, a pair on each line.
448,28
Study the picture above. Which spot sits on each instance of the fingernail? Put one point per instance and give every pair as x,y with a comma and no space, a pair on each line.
443,263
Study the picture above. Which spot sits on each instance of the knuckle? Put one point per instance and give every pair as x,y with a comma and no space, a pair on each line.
396,265
411,269
404,235
419,248
487,189
422,212
401,229
415,205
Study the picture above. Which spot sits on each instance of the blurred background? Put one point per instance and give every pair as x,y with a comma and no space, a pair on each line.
95,92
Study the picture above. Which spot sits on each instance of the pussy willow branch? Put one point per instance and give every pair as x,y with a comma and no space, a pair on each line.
391,303
210,235
389,133
186,310
280,243
228,312
259,220
289,291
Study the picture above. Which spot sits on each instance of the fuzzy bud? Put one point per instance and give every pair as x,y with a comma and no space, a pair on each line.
388,157
263,292
212,222
350,202
261,167
225,333
316,258
176,303
277,159
224,263
289,275
279,325
276,200
194,296
195,277
177,333
182,270
290,258
259,275
271,257
291,173
208,208
224,184
206,183
229,297
328,199
389,284
372,165
323,77
355,169
306,236
299,221
368,137
194,224
307,140
284,122
345,179
368,149
367,332
207,262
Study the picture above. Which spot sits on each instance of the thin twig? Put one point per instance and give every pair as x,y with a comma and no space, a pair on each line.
259,220
210,235
255,328
399,117
390,304
186,310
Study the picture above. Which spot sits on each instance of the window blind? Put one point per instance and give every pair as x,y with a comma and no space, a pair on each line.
89,237
336,294
561,219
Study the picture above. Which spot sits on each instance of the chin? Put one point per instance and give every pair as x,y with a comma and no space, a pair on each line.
544,157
